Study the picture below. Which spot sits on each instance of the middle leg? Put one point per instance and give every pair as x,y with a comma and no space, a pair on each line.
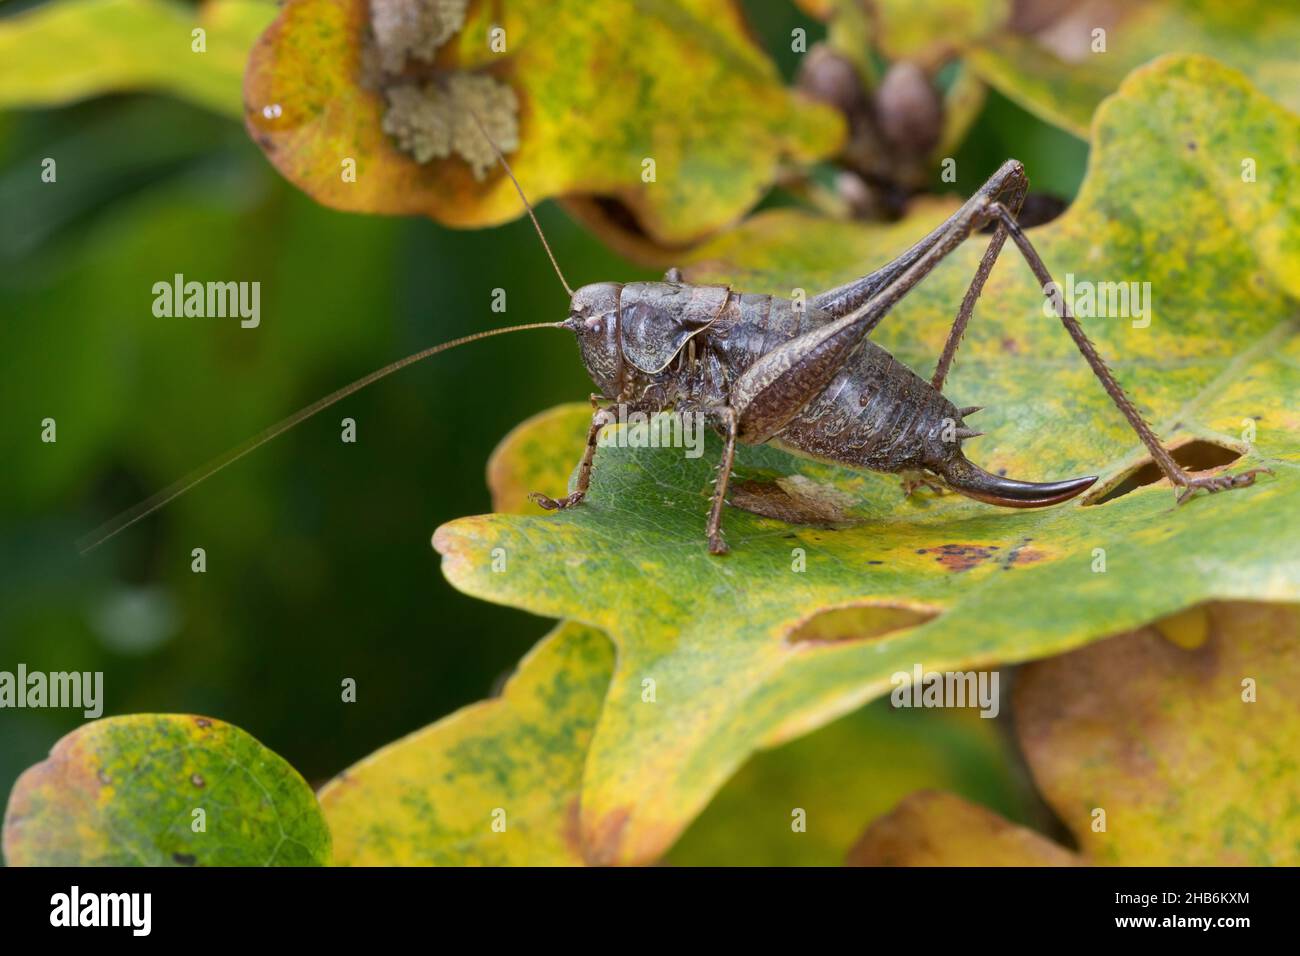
727,415
1016,188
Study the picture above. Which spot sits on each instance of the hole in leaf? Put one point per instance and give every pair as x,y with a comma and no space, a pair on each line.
1195,455
859,623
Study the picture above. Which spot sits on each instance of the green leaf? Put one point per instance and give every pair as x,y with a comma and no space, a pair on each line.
1188,748
592,100
495,783
1058,75
1164,202
124,791
68,50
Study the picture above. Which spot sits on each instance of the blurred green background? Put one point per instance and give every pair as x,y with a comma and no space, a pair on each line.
319,565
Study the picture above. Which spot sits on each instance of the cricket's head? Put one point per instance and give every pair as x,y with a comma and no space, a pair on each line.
631,332
593,318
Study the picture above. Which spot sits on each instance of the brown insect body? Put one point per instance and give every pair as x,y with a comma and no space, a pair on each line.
805,378
659,346
875,413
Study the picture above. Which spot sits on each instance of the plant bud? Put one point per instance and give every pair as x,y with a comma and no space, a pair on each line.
909,110
829,78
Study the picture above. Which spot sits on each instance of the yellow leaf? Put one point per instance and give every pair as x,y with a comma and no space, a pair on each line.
1150,753
678,114
495,783
939,829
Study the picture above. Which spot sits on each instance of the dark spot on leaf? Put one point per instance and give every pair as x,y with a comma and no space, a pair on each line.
184,859
601,842
1021,554
960,557
202,722
573,827
197,780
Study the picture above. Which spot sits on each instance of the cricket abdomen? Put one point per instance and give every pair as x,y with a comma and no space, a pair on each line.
876,413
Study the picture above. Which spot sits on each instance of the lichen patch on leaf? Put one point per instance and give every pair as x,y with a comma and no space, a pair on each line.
433,113
684,164
435,119
413,29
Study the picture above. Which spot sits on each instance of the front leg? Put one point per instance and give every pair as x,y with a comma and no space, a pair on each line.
599,419
727,414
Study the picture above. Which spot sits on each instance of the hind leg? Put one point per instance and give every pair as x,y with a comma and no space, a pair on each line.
1017,184
1177,476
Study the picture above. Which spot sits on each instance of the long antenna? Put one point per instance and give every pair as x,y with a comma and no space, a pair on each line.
527,205
175,490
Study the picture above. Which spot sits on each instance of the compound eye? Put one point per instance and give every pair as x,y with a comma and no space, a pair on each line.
595,324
